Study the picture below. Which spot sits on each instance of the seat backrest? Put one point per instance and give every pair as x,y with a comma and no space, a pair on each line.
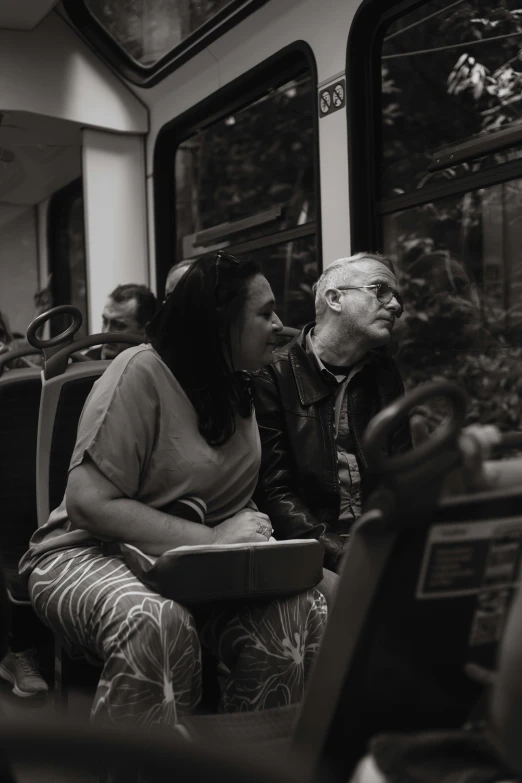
65,388
19,406
63,398
413,609
424,591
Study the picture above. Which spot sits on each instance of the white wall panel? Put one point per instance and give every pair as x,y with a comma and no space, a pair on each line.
115,216
50,71
335,205
324,26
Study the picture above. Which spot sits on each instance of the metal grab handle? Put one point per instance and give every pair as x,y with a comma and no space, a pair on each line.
58,362
381,427
59,339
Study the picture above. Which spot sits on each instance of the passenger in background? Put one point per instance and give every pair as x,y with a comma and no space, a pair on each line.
166,420
8,342
315,401
128,310
175,274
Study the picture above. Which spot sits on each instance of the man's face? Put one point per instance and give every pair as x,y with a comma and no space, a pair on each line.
119,317
362,315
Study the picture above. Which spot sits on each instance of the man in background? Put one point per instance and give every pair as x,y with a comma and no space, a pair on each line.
128,310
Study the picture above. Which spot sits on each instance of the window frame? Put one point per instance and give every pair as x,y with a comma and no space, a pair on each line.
363,66
279,68
104,45
363,100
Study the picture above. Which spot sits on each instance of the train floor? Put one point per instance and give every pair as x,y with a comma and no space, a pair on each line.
80,695
81,680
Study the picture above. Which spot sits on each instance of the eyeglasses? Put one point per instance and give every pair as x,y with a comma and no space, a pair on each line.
220,257
384,293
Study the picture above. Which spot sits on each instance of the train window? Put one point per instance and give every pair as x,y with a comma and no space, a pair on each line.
146,39
67,264
449,194
247,182
147,30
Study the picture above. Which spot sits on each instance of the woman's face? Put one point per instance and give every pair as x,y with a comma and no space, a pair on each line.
254,339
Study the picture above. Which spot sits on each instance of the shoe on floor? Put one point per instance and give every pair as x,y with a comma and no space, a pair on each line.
21,670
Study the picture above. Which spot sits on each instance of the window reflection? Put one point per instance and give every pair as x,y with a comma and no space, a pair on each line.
291,268
246,184
67,255
149,29
258,167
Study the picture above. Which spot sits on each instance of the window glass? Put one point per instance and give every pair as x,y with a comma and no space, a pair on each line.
460,264
255,164
149,29
291,268
451,71
248,178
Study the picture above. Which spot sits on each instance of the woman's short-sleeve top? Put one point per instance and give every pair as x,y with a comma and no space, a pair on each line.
141,431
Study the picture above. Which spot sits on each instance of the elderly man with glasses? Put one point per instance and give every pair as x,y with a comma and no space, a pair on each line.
314,402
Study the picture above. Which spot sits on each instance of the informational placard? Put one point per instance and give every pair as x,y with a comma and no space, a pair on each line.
463,559
332,98
481,560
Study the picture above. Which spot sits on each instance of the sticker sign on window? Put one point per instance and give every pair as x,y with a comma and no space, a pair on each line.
332,98
467,559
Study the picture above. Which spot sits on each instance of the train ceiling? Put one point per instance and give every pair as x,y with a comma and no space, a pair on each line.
38,156
23,14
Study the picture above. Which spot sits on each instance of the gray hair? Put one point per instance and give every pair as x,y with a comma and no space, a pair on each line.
337,273
175,274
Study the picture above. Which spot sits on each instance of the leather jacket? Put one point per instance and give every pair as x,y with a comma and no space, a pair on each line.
298,484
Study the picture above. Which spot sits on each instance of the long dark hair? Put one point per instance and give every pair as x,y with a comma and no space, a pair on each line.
192,334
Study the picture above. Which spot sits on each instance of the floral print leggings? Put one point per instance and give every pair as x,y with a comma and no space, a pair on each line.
151,646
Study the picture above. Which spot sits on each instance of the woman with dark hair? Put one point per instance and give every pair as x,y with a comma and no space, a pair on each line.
174,419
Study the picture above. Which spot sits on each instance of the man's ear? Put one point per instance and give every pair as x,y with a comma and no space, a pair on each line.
333,299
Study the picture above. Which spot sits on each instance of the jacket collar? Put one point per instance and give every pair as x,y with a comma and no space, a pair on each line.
311,383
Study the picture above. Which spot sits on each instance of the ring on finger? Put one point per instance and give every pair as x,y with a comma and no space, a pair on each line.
263,530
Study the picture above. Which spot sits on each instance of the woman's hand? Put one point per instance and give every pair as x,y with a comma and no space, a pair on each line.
245,527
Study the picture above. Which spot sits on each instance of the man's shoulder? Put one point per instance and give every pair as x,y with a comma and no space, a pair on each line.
281,364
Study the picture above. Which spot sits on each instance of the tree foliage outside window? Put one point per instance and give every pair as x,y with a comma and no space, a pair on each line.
452,71
149,29
250,161
448,78
259,158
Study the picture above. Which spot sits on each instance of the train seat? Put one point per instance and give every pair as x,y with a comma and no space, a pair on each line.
422,598
65,387
19,405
